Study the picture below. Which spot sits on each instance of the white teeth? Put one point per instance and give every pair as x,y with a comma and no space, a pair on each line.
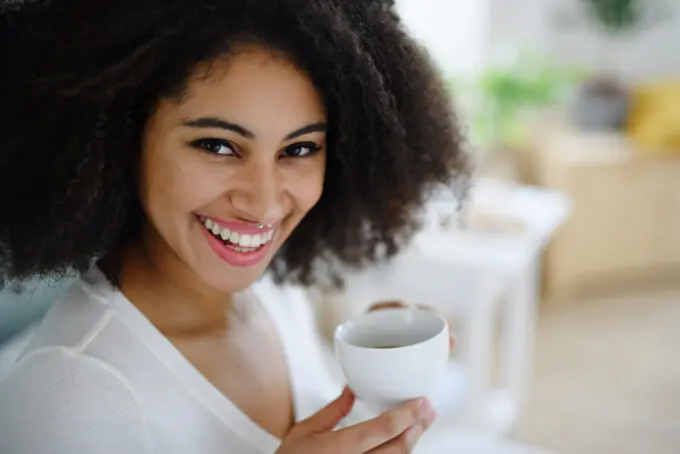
241,242
245,241
243,249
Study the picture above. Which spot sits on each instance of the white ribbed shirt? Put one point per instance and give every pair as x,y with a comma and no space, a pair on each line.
98,377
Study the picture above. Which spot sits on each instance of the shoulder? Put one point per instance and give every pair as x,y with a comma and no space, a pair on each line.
75,317
59,400
59,397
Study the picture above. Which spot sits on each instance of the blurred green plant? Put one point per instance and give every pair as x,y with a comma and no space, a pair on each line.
615,18
493,102
619,17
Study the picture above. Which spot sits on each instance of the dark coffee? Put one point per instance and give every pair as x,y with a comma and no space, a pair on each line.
387,346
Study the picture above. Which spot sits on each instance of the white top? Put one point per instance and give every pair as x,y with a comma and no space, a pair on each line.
98,377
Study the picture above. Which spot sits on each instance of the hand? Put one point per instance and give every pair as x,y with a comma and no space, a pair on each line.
399,304
393,432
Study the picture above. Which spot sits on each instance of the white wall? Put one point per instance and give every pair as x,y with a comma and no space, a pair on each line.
463,35
454,31
650,54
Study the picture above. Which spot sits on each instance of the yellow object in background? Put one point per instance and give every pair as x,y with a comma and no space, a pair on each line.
654,117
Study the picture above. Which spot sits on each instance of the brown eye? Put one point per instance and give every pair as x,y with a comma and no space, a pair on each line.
300,150
219,147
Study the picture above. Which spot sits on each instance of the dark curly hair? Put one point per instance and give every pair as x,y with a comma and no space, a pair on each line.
81,77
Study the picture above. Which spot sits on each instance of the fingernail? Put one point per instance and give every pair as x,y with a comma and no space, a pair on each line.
425,406
432,415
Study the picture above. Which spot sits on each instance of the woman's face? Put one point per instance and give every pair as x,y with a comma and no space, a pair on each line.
230,170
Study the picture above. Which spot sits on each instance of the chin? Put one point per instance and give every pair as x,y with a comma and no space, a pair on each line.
225,277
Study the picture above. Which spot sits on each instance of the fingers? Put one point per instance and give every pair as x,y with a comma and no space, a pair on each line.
426,308
387,305
329,416
395,304
386,427
405,442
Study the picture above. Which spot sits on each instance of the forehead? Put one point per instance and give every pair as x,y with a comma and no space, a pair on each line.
255,87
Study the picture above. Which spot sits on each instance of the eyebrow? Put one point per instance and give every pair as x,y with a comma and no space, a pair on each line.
215,122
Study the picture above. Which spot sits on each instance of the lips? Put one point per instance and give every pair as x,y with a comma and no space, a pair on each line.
237,243
235,239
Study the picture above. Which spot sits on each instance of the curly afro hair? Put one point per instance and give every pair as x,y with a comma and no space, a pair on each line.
80,78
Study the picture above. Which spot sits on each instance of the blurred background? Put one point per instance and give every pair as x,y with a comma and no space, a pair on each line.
562,271
564,278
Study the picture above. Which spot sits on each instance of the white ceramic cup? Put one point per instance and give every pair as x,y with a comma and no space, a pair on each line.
391,356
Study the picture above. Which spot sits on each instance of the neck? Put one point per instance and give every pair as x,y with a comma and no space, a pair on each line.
171,295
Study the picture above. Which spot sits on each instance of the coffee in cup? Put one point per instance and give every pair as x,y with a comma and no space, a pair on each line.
391,356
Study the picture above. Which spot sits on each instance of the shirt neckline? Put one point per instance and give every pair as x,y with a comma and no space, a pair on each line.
95,282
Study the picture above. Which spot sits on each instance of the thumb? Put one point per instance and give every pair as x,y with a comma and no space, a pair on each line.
329,416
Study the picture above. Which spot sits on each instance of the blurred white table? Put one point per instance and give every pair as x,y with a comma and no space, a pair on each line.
441,439
510,255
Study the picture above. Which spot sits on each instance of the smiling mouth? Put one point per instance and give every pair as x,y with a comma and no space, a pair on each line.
239,242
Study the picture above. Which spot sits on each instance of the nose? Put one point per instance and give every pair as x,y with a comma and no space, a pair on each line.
258,194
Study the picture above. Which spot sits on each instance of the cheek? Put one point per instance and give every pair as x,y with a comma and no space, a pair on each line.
172,187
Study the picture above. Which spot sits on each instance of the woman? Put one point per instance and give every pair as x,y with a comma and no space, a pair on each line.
198,162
